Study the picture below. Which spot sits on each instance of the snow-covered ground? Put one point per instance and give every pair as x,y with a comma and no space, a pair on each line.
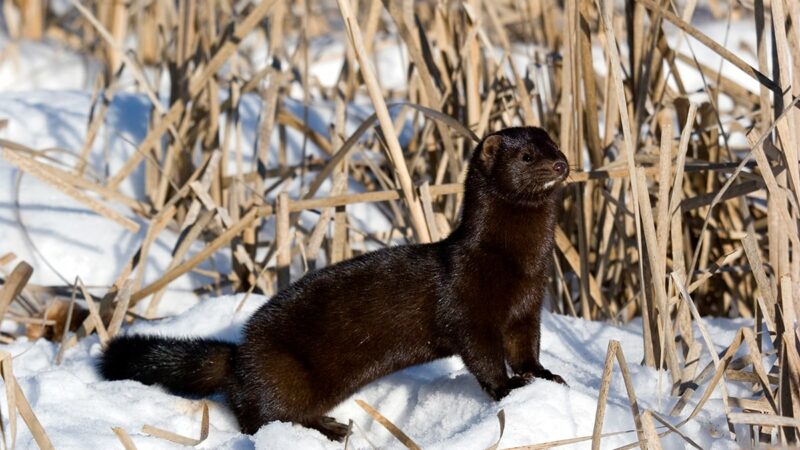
439,405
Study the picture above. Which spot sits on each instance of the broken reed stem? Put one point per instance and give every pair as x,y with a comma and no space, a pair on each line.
178,438
386,423
395,152
605,7
34,168
18,403
615,352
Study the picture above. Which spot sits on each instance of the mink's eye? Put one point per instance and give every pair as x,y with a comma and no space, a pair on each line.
527,157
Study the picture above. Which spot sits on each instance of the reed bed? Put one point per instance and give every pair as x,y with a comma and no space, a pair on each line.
665,218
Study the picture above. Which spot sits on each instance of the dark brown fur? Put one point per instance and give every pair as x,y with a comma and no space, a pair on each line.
476,294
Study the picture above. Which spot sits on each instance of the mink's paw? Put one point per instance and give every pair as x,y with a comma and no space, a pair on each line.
543,374
527,375
332,429
550,376
516,382
512,383
558,379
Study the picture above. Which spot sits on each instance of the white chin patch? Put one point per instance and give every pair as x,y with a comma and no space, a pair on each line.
550,184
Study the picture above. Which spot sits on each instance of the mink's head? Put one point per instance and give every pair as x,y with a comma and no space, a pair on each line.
522,165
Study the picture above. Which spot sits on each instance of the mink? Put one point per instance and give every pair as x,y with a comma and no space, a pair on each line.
476,294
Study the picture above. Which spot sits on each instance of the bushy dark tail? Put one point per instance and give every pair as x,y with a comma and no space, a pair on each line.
184,366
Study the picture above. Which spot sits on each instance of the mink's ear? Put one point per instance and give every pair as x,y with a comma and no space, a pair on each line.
489,148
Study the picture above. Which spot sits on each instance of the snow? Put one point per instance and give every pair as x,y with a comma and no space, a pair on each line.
439,405
27,65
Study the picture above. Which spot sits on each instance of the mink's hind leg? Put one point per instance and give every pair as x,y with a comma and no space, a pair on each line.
276,385
252,409
333,430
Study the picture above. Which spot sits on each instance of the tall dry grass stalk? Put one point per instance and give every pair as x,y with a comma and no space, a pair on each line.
663,218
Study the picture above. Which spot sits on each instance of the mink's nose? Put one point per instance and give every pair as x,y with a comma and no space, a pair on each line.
560,167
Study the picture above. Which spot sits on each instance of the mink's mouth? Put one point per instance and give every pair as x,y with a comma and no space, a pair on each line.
550,175
537,185
555,182
536,189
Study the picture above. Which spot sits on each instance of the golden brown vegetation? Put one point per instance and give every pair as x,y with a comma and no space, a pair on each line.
664,218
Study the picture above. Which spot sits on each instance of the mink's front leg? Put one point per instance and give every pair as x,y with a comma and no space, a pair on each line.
522,342
481,349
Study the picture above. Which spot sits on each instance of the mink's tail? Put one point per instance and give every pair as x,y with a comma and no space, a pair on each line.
197,367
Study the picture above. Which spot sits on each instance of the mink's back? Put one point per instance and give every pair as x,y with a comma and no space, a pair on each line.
359,319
